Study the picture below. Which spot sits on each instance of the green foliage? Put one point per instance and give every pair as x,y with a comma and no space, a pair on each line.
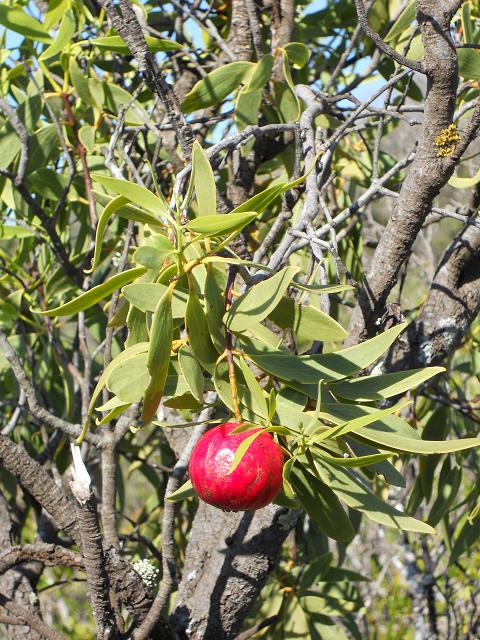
144,256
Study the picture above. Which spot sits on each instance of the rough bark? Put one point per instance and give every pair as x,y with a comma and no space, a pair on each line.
428,173
37,482
228,560
451,306
14,584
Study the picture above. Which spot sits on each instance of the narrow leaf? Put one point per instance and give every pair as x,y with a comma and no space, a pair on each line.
219,225
383,386
158,355
258,401
321,504
136,194
307,322
259,301
185,491
204,181
215,86
94,295
198,334
192,372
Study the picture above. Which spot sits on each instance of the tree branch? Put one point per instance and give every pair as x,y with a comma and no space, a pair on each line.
39,412
91,546
48,554
428,173
30,619
169,573
126,24
373,35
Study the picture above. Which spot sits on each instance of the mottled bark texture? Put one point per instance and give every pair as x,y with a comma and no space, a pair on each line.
428,173
451,306
228,560
15,586
37,482
126,23
34,479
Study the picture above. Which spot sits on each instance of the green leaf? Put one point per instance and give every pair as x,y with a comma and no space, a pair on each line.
464,183
261,201
321,504
79,80
185,491
358,423
204,181
108,211
198,334
216,86
86,135
323,288
124,355
9,231
469,64
129,380
136,194
219,225
128,211
259,301
402,23
448,486
94,295
261,73
258,402
116,44
243,448
114,413
192,372
161,334
358,461
306,321
21,22
291,104
146,295
394,433
153,251
298,54
247,107
383,386
136,322
64,36
355,494
214,310
468,536
329,366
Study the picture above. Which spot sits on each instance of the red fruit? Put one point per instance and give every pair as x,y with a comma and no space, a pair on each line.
252,485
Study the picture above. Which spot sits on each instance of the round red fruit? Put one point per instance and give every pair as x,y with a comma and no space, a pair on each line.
253,484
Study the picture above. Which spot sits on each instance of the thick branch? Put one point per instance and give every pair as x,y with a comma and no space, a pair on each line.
48,554
229,558
391,53
92,551
169,572
452,305
428,173
36,481
30,619
126,24
39,412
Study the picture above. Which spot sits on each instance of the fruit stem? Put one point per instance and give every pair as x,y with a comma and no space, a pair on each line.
232,273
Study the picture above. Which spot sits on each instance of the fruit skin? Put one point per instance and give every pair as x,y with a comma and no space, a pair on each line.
252,485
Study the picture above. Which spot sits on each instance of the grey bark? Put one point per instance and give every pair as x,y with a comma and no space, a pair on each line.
428,172
228,560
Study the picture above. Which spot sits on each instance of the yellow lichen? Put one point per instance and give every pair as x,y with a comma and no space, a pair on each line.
446,141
